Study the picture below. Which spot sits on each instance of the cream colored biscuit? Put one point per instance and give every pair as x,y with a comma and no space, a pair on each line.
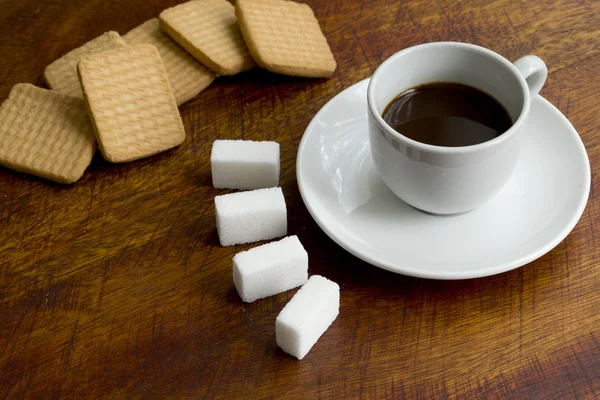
186,75
61,75
209,31
45,133
130,103
285,37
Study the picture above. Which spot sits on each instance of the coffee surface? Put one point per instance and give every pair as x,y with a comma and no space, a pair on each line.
447,114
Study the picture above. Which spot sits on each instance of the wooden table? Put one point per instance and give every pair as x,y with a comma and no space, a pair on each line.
116,287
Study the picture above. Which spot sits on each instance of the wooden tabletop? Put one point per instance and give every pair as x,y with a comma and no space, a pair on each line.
116,287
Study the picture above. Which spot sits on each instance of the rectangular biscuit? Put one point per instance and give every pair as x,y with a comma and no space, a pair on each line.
45,133
285,37
61,75
186,75
130,103
208,30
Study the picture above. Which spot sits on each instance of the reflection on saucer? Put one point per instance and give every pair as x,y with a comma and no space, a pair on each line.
345,159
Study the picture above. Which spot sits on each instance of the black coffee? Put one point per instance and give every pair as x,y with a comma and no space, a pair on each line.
447,114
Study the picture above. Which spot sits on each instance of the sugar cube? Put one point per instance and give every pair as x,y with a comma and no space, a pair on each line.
270,269
244,164
307,316
246,217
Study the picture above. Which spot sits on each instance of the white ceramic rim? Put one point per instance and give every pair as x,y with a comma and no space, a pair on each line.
497,269
442,149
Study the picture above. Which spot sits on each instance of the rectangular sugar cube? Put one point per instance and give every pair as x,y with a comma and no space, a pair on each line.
307,316
270,269
247,217
244,164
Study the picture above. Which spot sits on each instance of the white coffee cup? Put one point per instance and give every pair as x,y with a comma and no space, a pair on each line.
448,180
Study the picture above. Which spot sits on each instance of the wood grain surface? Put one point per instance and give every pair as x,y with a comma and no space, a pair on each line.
116,287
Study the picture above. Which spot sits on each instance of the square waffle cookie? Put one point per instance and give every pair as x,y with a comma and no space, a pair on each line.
61,75
45,133
130,103
186,75
285,37
208,30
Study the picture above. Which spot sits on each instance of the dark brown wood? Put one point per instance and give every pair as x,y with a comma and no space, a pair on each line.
116,287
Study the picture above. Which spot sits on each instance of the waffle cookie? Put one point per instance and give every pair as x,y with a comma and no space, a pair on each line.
186,75
209,31
130,103
61,75
285,37
45,133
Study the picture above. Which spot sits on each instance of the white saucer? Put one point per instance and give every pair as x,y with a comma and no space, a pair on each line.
537,208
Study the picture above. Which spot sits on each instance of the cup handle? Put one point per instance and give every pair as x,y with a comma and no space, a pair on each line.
534,70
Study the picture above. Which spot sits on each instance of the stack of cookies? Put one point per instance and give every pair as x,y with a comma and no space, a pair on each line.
121,94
